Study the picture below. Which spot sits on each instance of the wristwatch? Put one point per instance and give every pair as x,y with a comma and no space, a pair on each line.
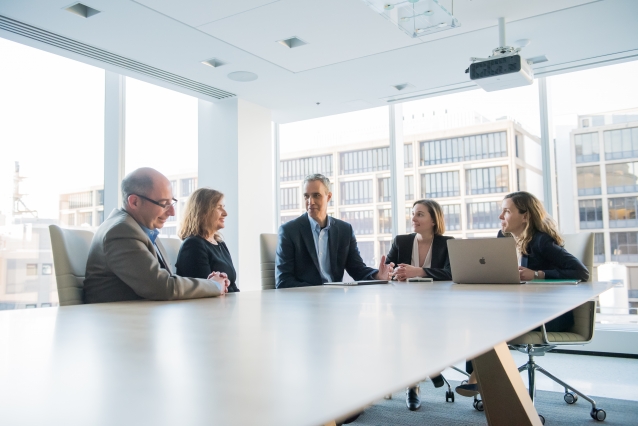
535,275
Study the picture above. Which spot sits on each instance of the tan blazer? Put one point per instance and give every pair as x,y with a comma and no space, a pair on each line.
123,265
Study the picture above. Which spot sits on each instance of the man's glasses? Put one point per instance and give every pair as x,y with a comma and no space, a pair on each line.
165,206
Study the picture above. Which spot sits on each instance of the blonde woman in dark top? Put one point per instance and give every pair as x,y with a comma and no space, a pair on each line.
203,250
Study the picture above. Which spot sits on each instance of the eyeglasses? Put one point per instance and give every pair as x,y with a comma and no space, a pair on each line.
165,206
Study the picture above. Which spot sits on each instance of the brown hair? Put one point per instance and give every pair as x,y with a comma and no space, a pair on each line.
436,213
198,210
537,219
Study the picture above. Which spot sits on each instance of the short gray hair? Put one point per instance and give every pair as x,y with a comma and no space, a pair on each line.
136,183
318,177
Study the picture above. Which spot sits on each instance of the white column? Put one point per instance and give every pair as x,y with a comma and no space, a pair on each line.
114,139
397,173
547,147
236,157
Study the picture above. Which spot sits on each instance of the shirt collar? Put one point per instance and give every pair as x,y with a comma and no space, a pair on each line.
315,225
151,234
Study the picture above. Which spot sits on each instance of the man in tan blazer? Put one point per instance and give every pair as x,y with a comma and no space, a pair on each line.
126,259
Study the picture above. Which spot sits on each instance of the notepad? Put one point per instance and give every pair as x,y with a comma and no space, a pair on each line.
555,282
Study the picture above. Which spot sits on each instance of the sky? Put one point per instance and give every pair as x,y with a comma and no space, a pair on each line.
52,120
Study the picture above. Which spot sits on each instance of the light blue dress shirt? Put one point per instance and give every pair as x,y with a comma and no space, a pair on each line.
321,245
152,235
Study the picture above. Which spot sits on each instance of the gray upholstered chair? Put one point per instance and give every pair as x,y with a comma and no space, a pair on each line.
171,248
537,343
70,251
268,249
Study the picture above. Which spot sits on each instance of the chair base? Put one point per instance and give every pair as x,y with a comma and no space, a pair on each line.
571,394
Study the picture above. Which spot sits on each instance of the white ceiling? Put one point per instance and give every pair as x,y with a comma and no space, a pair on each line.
353,55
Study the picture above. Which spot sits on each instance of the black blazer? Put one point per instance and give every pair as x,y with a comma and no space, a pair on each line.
543,254
297,264
197,258
401,252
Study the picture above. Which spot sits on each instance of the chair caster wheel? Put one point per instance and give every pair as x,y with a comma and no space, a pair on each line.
570,398
389,396
542,419
478,405
449,396
598,414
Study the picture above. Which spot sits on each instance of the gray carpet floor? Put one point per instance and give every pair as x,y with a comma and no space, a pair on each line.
435,411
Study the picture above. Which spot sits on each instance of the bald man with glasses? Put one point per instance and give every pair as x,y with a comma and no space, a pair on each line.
126,259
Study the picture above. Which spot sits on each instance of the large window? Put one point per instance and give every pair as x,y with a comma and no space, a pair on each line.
474,147
289,198
367,160
52,138
587,147
591,214
452,215
622,212
621,143
299,168
622,178
356,192
624,246
483,215
438,185
362,221
588,179
487,180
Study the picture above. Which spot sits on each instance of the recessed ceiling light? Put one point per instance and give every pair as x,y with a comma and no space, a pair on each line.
292,42
82,10
213,62
403,86
242,76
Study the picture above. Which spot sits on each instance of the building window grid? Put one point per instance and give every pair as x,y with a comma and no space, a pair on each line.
468,148
188,186
299,168
591,214
385,221
356,192
622,212
483,215
588,180
409,187
440,185
622,177
452,215
599,247
624,246
587,147
367,160
621,143
408,160
81,200
385,189
362,221
289,198
85,218
487,180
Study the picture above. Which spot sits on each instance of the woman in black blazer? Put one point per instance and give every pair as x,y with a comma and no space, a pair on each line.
203,249
540,252
422,254
430,259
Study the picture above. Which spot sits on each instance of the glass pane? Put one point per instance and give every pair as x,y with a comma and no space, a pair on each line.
52,165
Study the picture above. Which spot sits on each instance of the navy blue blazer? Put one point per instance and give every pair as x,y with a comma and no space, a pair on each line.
543,254
297,264
401,252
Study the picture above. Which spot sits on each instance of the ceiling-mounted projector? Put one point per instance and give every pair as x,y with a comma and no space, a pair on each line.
504,69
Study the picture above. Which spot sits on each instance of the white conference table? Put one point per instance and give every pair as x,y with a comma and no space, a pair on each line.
280,357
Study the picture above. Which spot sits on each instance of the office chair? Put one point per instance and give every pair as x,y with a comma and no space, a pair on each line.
267,249
171,248
537,343
70,251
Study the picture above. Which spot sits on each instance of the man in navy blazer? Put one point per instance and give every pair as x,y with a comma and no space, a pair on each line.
316,248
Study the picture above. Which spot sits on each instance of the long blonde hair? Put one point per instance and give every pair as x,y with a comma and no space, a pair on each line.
436,213
198,210
537,219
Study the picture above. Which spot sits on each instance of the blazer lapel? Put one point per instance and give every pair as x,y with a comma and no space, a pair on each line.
524,259
160,247
306,236
333,245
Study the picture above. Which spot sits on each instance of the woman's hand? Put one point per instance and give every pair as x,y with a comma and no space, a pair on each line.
221,279
405,271
528,275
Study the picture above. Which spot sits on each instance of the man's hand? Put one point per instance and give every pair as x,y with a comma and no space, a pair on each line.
385,271
405,271
222,279
527,274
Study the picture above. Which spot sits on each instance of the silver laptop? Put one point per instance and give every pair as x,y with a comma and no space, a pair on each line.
484,261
